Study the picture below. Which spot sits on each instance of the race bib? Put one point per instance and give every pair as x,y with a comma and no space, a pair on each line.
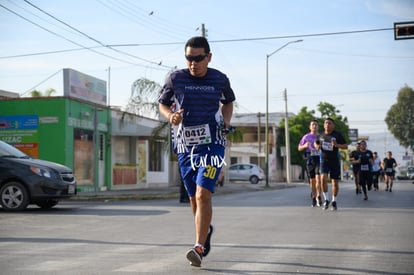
314,152
327,146
389,170
364,167
196,135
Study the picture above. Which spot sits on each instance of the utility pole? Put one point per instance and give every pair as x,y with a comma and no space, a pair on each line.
259,138
287,140
267,108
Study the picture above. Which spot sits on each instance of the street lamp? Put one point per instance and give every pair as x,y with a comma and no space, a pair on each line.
287,141
267,106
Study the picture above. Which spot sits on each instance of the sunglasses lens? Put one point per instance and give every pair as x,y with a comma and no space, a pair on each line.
196,58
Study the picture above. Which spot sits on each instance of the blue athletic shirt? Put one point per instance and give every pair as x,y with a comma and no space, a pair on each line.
200,98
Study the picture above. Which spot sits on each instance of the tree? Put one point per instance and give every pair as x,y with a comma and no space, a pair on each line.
143,100
400,117
299,125
341,123
48,92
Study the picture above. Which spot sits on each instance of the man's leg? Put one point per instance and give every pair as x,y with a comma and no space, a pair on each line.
318,186
203,214
324,180
324,183
335,188
357,180
391,183
313,190
202,209
387,178
335,191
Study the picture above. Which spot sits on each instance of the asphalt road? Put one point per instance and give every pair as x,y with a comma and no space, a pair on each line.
257,232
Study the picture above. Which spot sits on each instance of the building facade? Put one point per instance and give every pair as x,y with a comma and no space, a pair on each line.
106,148
252,147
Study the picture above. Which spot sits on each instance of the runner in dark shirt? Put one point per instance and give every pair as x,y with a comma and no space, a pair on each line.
388,165
366,157
198,102
353,157
330,143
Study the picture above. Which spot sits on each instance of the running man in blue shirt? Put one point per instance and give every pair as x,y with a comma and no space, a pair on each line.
198,102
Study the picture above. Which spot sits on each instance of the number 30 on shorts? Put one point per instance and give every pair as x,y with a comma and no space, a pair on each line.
210,172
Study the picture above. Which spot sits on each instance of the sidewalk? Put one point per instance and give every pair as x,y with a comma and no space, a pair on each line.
172,192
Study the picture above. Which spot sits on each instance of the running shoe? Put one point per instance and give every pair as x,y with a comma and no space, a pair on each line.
390,190
365,198
325,205
195,255
207,245
319,203
313,202
334,207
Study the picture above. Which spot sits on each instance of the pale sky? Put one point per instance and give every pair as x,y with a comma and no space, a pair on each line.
348,56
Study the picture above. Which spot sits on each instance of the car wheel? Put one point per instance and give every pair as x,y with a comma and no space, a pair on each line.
14,196
254,179
47,204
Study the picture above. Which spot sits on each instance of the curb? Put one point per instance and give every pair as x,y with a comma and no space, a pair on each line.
169,192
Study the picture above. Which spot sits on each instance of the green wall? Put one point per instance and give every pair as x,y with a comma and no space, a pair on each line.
58,117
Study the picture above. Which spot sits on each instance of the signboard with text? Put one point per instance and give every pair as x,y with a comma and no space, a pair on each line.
83,86
21,132
353,134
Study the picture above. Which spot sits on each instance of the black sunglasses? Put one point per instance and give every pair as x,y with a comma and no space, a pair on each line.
196,58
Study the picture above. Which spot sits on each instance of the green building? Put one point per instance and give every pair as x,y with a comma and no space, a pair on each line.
106,148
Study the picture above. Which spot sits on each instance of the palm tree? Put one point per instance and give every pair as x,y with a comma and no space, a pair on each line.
143,100
47,93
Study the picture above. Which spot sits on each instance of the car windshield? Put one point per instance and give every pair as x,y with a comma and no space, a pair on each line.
410,170
6,150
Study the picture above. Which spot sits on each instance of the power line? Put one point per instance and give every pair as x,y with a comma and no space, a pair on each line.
140,17
95,40
43,81
212,41
58,35
300,35
48,52
263,38
39,17
162,21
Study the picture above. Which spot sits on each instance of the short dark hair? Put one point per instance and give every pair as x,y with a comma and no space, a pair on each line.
198,42
330,119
